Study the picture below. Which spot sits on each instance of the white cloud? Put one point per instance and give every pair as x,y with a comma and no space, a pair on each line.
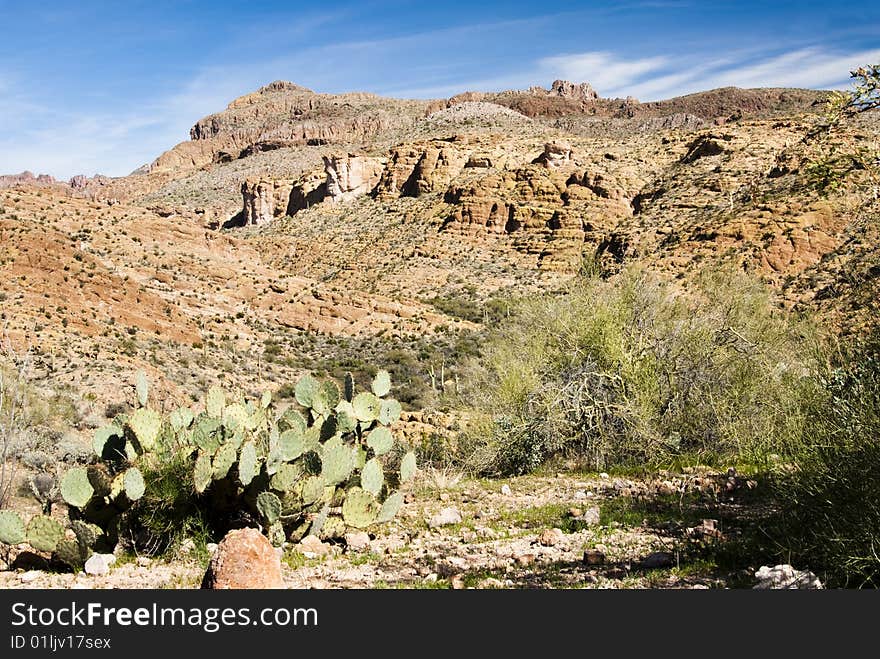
604,71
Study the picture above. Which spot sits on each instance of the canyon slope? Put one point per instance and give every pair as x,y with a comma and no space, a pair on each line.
303,231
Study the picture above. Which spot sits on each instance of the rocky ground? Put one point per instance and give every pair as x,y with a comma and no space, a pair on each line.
564,530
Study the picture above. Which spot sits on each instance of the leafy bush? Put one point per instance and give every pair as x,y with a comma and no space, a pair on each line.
637,369
830,502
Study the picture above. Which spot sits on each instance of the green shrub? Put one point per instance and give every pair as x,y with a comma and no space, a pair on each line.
830,502
637,369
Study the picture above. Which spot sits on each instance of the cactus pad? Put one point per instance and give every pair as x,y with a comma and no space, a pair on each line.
76,490
12,528
215,402
381,384
407,467
326,398
333,528
269,507
205,433
86,534
247,463
306,390
292,420
133,482
224,458
142,387
72,553
286,476
266,400
180,419
372,476
202,472
235,416
345,418
291,444
100,478
102,439
366,407
389,412
44,533
312,489
380,440
276,534
337,463
145,425
390,507
359,508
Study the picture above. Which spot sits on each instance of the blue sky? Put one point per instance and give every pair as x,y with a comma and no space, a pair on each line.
104,87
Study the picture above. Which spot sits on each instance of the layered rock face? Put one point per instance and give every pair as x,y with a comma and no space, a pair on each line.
420,168
351,176
264,199
549,212
284,115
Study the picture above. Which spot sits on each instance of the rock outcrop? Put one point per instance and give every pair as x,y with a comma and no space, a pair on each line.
421,167
350,176
264,200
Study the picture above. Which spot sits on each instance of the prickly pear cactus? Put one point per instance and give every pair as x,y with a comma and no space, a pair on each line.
76,488
12,528
381,384
44,533
133,484
269,507
360,508
145,425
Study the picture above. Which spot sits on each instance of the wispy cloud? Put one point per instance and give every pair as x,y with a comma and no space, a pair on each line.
602,70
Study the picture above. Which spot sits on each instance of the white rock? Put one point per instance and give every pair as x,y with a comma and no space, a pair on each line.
29,576
505,490
445,517
97,565
211,547
786,577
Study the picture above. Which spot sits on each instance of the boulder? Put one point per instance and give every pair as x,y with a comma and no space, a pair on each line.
786,577
245,559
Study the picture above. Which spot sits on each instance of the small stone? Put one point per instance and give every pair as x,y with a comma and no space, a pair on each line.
245,559
580,494
144,561
591,516
446,517
551,537
211,547
575,512
444,496
593,557
659,559
312,547
357,541
604,476
525,559
187,546
431,577
505,490
457,582
97,565
786,577
29,576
